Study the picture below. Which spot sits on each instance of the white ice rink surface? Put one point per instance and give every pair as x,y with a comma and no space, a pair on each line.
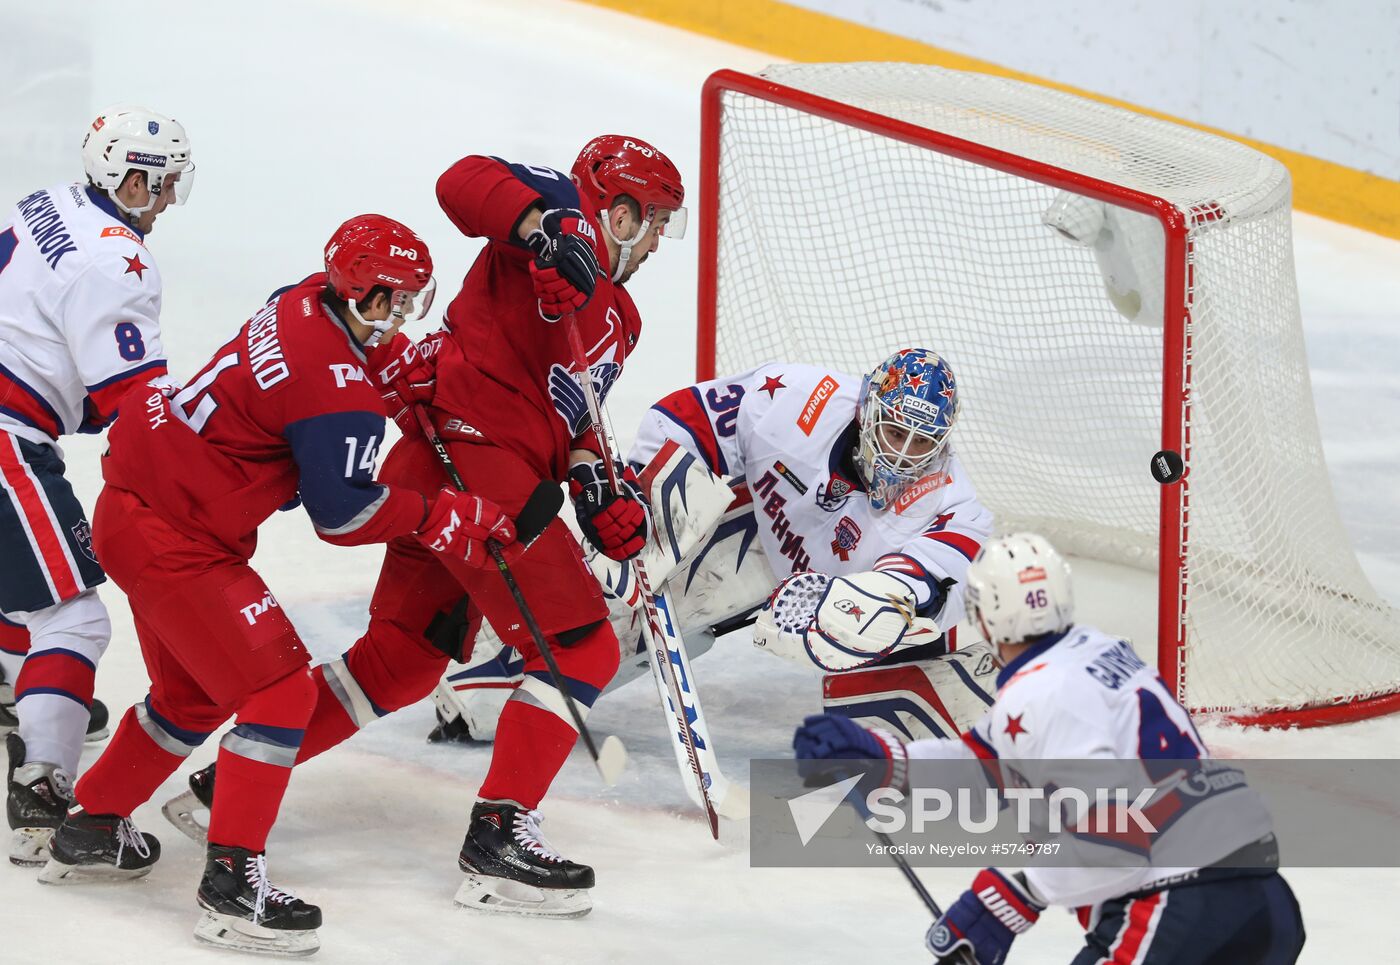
301,114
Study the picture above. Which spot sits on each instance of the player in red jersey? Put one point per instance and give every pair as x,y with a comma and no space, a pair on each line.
284,411
508,407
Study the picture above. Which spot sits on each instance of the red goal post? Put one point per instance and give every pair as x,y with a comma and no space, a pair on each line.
847,210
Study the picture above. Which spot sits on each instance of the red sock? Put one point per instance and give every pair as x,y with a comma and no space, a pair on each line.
329,724
531,746
255,761
128,772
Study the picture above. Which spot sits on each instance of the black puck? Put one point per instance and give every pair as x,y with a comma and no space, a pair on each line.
1167,466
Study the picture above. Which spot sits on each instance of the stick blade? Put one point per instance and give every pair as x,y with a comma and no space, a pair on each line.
539,511
734,804
612,760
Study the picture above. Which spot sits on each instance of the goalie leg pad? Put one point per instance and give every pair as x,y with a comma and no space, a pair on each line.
941,698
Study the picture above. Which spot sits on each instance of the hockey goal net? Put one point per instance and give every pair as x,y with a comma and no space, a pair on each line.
1104,285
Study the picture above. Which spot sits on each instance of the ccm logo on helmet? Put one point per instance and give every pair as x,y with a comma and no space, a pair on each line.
396,252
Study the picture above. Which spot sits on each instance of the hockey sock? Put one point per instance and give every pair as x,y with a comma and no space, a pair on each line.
255,761
536,731
337,698
145,750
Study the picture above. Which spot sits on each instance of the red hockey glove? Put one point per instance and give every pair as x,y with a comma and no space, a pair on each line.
459,524
565,269
405,375
617,523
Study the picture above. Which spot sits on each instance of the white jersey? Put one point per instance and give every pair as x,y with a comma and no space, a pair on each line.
79,310
789,431
1088,696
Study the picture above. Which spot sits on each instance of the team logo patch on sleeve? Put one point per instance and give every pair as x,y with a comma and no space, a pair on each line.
847,538
82,533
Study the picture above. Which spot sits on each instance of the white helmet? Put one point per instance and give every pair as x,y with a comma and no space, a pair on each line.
124,139
1018,588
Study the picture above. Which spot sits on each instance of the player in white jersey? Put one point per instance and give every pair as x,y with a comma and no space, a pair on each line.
79,328
848,499
1068,693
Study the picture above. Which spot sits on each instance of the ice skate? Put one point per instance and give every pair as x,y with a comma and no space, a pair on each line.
180,810
37,800
98,847
243,911
512,869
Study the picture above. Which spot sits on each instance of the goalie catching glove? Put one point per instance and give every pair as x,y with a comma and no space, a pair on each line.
565,269
616,523
841,622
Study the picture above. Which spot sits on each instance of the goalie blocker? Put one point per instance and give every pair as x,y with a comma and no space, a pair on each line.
882,665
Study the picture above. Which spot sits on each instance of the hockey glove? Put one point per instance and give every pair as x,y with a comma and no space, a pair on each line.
405,376
565,269
826,738
617,523
986,919
459,524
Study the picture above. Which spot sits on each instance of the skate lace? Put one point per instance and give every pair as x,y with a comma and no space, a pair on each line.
256,874
129,837
529,836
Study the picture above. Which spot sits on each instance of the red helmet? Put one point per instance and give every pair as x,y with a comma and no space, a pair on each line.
370,250
612,164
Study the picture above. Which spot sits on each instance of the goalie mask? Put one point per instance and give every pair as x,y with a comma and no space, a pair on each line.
1019,588
907,409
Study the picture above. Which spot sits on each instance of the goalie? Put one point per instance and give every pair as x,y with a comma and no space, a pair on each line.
836,499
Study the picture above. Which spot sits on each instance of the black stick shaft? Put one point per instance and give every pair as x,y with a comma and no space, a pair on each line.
431,434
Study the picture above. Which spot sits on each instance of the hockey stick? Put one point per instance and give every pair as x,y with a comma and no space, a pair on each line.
661,655
962,956
542,506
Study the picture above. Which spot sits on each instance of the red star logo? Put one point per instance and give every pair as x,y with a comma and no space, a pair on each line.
771,385
133,265
916,381
1013,726
857,612
946,393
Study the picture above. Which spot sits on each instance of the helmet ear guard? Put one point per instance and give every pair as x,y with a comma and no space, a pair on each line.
1018,588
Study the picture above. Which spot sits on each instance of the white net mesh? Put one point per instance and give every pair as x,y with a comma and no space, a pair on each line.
839,246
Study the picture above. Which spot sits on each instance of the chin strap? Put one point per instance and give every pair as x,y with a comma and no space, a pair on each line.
624,252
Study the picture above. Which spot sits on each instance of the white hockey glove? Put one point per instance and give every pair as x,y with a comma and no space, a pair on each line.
687,502
841,623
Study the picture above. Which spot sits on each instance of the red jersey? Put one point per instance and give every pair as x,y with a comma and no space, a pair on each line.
506,371
283,410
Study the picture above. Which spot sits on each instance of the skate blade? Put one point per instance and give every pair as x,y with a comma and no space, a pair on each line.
502,896
29,848
179,811
55,872
240,934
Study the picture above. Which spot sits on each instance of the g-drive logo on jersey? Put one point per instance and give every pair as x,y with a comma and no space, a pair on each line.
816,402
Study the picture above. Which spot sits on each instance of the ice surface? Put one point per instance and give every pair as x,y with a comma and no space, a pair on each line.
303,113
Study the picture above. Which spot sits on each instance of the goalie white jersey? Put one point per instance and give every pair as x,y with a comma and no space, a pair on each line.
789,431
1085,696
79,308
